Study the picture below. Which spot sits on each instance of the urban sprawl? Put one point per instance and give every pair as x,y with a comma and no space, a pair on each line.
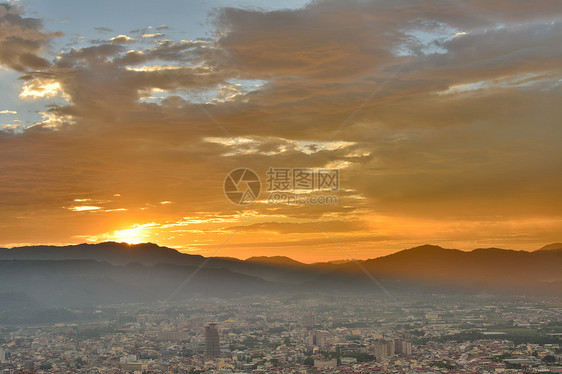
295,334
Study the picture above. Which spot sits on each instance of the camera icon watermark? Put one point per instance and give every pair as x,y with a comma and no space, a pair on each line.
242,186
290,186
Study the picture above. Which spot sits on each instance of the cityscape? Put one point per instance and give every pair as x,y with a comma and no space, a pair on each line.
296,186
302,333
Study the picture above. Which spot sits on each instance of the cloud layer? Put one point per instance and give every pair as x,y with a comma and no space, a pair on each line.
442,116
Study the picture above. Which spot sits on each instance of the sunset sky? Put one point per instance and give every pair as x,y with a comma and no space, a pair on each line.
120,120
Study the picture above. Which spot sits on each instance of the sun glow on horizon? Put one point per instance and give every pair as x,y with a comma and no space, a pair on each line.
134,235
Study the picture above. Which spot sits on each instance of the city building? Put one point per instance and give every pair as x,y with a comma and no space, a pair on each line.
383,348
317,338
212,342
403,346
133,366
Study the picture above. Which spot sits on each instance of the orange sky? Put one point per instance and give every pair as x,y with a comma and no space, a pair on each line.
443,122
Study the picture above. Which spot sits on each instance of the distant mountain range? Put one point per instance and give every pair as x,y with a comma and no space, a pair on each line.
553,246
107,273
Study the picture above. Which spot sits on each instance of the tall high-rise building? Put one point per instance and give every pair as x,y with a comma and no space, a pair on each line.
2,355
403,345
212,343
383,348
317,338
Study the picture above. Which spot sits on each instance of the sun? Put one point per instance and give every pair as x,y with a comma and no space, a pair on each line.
133,235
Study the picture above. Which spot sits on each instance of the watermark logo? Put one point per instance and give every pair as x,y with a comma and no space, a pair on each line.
290,186
295,179
242,186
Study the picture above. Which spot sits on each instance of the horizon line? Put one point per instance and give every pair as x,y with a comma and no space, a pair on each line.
59,245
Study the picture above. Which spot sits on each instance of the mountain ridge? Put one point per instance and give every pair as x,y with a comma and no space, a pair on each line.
490,269
277,260
551,247
78,250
